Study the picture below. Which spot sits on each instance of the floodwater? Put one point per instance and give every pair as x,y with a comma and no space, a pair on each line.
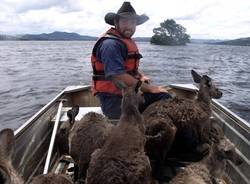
34,72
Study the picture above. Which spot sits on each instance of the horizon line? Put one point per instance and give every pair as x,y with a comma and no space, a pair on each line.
9,34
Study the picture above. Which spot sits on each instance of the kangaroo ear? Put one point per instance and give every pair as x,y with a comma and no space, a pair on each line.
72,113
4,177
7,144
196,76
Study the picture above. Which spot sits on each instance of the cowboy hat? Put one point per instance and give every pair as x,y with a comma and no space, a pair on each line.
126,10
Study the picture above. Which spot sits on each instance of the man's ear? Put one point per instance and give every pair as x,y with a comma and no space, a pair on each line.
116,21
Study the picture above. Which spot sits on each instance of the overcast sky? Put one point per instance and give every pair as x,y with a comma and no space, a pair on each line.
212,19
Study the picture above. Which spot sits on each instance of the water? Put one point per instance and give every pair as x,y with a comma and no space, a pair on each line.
32,73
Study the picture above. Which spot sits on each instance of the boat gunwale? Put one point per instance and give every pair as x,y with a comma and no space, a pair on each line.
66,90
241,122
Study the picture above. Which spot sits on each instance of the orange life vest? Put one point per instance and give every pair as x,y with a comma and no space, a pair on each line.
99,82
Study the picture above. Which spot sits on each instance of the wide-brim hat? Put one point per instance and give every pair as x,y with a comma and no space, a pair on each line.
126,11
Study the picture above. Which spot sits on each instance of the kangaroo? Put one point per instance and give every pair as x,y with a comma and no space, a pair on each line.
210,168
8,175
63,131
172,116
122,159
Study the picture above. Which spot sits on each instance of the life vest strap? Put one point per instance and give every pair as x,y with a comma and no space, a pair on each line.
104,38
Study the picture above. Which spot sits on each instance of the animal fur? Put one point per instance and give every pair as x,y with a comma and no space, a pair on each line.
51,179
162,132
87,135
8,174
210,168
177,115
63,131
122,159
7,148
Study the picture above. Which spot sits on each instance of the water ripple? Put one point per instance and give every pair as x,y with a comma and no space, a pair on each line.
32,73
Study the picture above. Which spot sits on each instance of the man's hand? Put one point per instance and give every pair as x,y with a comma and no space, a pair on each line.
129,81
145,79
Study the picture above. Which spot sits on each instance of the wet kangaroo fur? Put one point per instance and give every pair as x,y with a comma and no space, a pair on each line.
8,174
122,159
211,167
85,136
167,117
63,131
51,178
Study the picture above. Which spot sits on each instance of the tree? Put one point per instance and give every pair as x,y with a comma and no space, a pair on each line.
170,33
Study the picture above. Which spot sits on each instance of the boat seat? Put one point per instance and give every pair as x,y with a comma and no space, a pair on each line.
82,112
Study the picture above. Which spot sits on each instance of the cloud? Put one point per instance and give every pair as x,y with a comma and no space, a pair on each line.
26,5
23,6
194,14
204,19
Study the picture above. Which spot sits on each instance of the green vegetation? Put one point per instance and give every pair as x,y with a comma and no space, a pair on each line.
170,33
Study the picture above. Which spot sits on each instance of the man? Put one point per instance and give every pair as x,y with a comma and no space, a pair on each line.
115,57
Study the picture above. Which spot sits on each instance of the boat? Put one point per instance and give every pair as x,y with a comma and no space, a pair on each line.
34,139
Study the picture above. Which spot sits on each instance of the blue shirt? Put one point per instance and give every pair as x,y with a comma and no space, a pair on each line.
112,53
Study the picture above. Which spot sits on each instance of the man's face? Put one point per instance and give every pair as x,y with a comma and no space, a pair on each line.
126,26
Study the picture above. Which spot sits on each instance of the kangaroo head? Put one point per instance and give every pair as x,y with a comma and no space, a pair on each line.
131,95
207,86
226,150
8,174
218,155
215,132
72,113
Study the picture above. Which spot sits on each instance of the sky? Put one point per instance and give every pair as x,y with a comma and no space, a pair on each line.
203,19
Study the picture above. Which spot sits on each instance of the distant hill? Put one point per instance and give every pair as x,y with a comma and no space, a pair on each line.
65,36
205,41
240,42
7,37
142,39
55,36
